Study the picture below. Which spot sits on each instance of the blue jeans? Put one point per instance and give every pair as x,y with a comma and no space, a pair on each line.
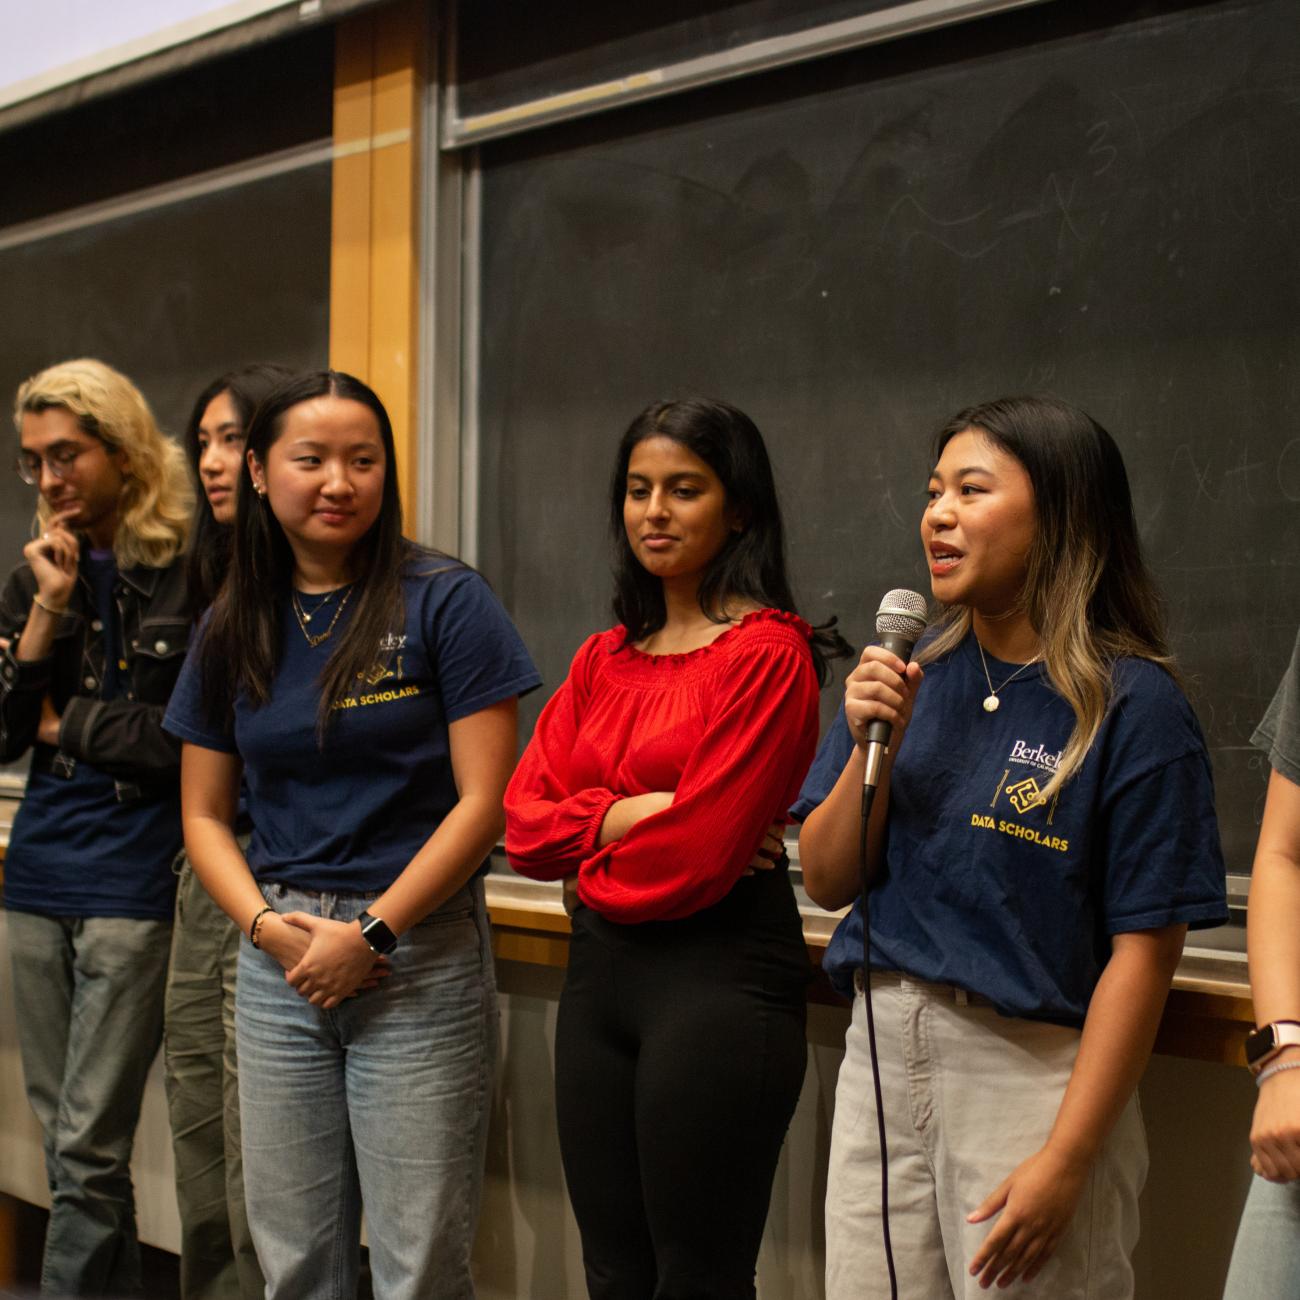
88,998
1266,1258
382,1101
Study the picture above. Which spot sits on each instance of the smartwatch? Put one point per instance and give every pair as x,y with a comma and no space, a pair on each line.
1265,1042
382,940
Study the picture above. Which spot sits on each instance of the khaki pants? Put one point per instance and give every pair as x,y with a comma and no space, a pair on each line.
968,1095
217,1257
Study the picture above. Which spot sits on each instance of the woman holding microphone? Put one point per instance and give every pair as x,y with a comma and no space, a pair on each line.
1042,836
658,775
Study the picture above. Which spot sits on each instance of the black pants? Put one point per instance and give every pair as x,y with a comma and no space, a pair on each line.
680,1052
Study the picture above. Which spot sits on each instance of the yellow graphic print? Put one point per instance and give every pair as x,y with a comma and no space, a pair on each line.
375,697
1025,795
378,672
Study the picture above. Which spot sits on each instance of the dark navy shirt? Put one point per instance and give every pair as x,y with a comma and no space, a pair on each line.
100,569
350,816
987,887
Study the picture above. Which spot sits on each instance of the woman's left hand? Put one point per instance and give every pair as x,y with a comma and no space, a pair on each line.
338,961
1037,1201
768,854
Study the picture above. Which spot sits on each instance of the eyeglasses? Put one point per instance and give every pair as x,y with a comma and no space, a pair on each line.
59,462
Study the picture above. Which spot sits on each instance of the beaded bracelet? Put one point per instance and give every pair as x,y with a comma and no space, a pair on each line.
256,924
1269,1071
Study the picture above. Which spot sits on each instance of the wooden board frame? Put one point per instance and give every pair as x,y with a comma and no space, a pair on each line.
379,81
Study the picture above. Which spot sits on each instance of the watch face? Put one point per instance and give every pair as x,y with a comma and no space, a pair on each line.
377,934
1259,1043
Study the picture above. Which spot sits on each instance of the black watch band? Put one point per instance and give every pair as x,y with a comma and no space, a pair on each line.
377,934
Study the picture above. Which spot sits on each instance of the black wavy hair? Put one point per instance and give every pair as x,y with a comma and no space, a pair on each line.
209,554
241,645
751,564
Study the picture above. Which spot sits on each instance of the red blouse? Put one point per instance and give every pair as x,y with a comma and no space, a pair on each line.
730,728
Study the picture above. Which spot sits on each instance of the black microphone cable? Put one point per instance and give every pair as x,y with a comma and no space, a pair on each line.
900,621
868,797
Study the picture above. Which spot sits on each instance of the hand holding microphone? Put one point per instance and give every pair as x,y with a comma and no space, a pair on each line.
880,691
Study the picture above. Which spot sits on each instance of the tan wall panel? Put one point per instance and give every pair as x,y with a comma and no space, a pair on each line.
375,241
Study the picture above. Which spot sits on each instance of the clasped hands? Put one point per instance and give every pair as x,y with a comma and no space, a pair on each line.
324,960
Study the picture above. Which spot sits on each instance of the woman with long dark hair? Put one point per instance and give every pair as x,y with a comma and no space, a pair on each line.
1043,834
201,1071
366,690
658,775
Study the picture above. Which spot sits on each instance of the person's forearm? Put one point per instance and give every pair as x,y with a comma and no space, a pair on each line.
623,814
446,860
37,640
1273,938
1273,912
1118,1035
829,838
222,869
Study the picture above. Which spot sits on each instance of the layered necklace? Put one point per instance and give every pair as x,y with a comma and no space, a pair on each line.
991,700
304,618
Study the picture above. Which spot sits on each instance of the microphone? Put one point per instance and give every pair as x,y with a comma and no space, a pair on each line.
900,620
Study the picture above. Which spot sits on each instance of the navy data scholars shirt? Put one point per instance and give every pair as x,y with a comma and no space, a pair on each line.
988,887
350,816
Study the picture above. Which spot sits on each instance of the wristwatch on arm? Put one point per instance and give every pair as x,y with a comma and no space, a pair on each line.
382,940
1264,1043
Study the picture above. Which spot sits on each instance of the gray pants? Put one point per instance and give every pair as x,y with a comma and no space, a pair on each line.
88,999
217,1257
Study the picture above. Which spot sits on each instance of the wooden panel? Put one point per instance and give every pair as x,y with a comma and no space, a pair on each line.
1205,1027
1196,1025
350,208
375,254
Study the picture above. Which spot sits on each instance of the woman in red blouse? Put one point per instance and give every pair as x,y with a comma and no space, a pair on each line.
658,776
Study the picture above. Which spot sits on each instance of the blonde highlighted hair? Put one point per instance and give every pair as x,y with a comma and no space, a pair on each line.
157,501
1088,593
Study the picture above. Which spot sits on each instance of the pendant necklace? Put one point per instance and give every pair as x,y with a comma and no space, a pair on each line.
304,618
991,700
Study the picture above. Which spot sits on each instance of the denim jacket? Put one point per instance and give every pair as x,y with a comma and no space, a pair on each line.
122,737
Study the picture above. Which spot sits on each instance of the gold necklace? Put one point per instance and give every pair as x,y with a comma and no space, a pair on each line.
304,618
991,700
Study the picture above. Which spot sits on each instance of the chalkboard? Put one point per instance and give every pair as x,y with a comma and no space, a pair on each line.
178,293
1098,201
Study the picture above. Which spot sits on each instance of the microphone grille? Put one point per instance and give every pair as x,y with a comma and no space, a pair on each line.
901,611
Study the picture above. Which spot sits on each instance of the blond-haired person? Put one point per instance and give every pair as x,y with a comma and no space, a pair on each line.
94,623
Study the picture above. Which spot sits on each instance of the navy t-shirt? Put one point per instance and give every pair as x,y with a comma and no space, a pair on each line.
350,816
989,888
75,849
